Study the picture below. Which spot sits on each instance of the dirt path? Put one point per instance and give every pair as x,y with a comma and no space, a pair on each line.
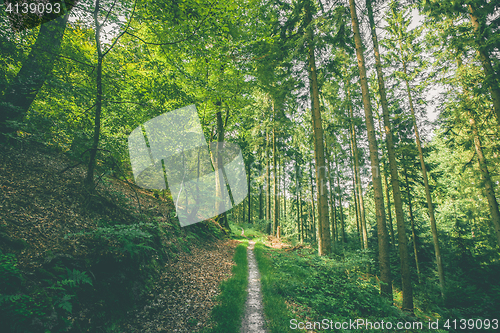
253,320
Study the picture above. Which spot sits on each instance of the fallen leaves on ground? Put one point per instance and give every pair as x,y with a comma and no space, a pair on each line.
184,298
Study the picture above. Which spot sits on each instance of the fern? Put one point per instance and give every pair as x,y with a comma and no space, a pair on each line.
132,239
9,298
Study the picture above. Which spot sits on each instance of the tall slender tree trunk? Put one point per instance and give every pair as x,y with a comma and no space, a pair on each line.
383,241
261,211
357,176
332,199
387,194
268,181
220,184
430,206
412,221
488,184
313,206
275,176
89,179
249,196
324,244
483,167
297,197
341,209
389,211
489,72
301,216
356,203
284,187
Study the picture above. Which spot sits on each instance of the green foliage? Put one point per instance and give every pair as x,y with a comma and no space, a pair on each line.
316,287
21,306
10,276
127,239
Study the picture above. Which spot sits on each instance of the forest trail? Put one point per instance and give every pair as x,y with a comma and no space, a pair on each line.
253,320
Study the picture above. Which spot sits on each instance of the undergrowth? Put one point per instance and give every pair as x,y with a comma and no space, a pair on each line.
299,286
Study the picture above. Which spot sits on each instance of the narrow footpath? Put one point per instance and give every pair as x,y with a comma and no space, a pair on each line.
253,320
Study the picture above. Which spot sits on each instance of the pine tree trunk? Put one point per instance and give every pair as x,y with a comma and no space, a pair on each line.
383,241
275,176
488,184
297,197
342,224
357,176
261,211
324,244
301,216
387,193
284,187
356,204
313,207
430,206
268,181
483,167
249,197
412,221
332,199
489,72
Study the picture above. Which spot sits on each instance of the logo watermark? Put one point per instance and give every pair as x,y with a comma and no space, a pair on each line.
170,151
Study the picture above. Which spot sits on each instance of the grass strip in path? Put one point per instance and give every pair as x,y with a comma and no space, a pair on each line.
253,320
276,312
226,315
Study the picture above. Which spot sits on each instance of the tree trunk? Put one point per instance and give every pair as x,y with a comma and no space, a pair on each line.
488,184
430,206
341,210
489,73
275,176
268,181
313,208
357,176
261,211
324,244
301,217
89,179
483,167
332,199
219,179
383,241
249,197
21,92
297,197
387,194
412,221
356,204
284,187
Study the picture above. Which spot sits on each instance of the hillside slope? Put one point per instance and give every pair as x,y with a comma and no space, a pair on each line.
79,262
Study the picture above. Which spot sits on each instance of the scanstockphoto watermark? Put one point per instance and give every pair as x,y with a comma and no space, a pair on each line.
258,176
358,324
381,325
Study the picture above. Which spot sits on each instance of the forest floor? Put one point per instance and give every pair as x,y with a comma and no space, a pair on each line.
42,201
186,293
